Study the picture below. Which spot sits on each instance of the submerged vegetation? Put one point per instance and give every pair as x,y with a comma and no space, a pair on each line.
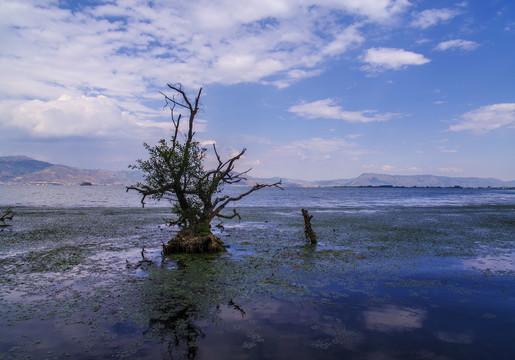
379,282
175,172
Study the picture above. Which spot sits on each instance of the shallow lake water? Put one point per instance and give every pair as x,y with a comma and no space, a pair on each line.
396,274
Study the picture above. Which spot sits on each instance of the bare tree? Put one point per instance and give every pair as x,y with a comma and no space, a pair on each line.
175,171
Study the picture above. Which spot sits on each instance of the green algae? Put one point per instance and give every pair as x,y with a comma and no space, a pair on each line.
74,269
56,260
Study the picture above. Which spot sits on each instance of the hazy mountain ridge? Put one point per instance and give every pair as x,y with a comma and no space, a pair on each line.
371,179
18,166
24,170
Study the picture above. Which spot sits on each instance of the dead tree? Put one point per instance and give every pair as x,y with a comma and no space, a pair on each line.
175,172
308,231
6,215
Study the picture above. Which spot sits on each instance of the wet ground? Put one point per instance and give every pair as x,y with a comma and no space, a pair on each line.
390,283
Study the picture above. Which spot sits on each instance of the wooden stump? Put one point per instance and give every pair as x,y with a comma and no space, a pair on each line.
308,231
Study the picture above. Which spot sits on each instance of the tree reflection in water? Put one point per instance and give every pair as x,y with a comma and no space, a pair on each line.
178,331
175,301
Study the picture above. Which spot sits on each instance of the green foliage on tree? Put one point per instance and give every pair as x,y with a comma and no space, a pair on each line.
175,171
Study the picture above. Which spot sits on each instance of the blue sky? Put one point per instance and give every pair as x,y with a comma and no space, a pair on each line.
313,89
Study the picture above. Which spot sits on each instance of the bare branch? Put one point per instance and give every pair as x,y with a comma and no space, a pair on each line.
234,214
178,88
7,215
217,156
256,187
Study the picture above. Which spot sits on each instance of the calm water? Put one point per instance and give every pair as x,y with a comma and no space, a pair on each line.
333,198
397,274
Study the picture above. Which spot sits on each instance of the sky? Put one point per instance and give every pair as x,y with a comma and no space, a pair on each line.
314,90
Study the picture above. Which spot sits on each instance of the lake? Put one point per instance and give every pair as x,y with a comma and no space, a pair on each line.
397,274
292,197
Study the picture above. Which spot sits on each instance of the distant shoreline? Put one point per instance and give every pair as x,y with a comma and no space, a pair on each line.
287,186
426,187
24,170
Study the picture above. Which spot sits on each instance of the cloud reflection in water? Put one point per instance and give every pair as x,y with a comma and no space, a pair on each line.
392,318
504,262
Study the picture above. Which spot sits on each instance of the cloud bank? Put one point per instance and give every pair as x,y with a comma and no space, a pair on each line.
124,48
93,70
109,57
327,109
457,44
432,17
486,118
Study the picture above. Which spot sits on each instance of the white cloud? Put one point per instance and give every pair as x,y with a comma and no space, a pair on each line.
343,41
208,14
68,116
444,149
431,17
207,142
422,41
457,44
390,168
327,109
375,10
316,150
319,145
450,170
486,118
123,49
380,59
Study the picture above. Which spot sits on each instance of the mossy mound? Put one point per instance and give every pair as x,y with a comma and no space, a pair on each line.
187,241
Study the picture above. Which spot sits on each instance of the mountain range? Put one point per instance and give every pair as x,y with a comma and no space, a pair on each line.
25,170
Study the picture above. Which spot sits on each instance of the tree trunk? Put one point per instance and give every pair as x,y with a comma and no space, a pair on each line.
308,231
196,239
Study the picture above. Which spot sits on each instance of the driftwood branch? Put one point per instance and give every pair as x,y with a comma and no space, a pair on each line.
308,231
6,215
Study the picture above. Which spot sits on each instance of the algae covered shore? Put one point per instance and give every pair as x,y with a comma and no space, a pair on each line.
392,282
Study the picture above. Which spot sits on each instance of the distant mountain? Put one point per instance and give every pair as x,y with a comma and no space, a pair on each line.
18,166
370,179
251,181
24,170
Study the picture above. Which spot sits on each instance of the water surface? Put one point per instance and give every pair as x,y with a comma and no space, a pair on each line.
397,274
